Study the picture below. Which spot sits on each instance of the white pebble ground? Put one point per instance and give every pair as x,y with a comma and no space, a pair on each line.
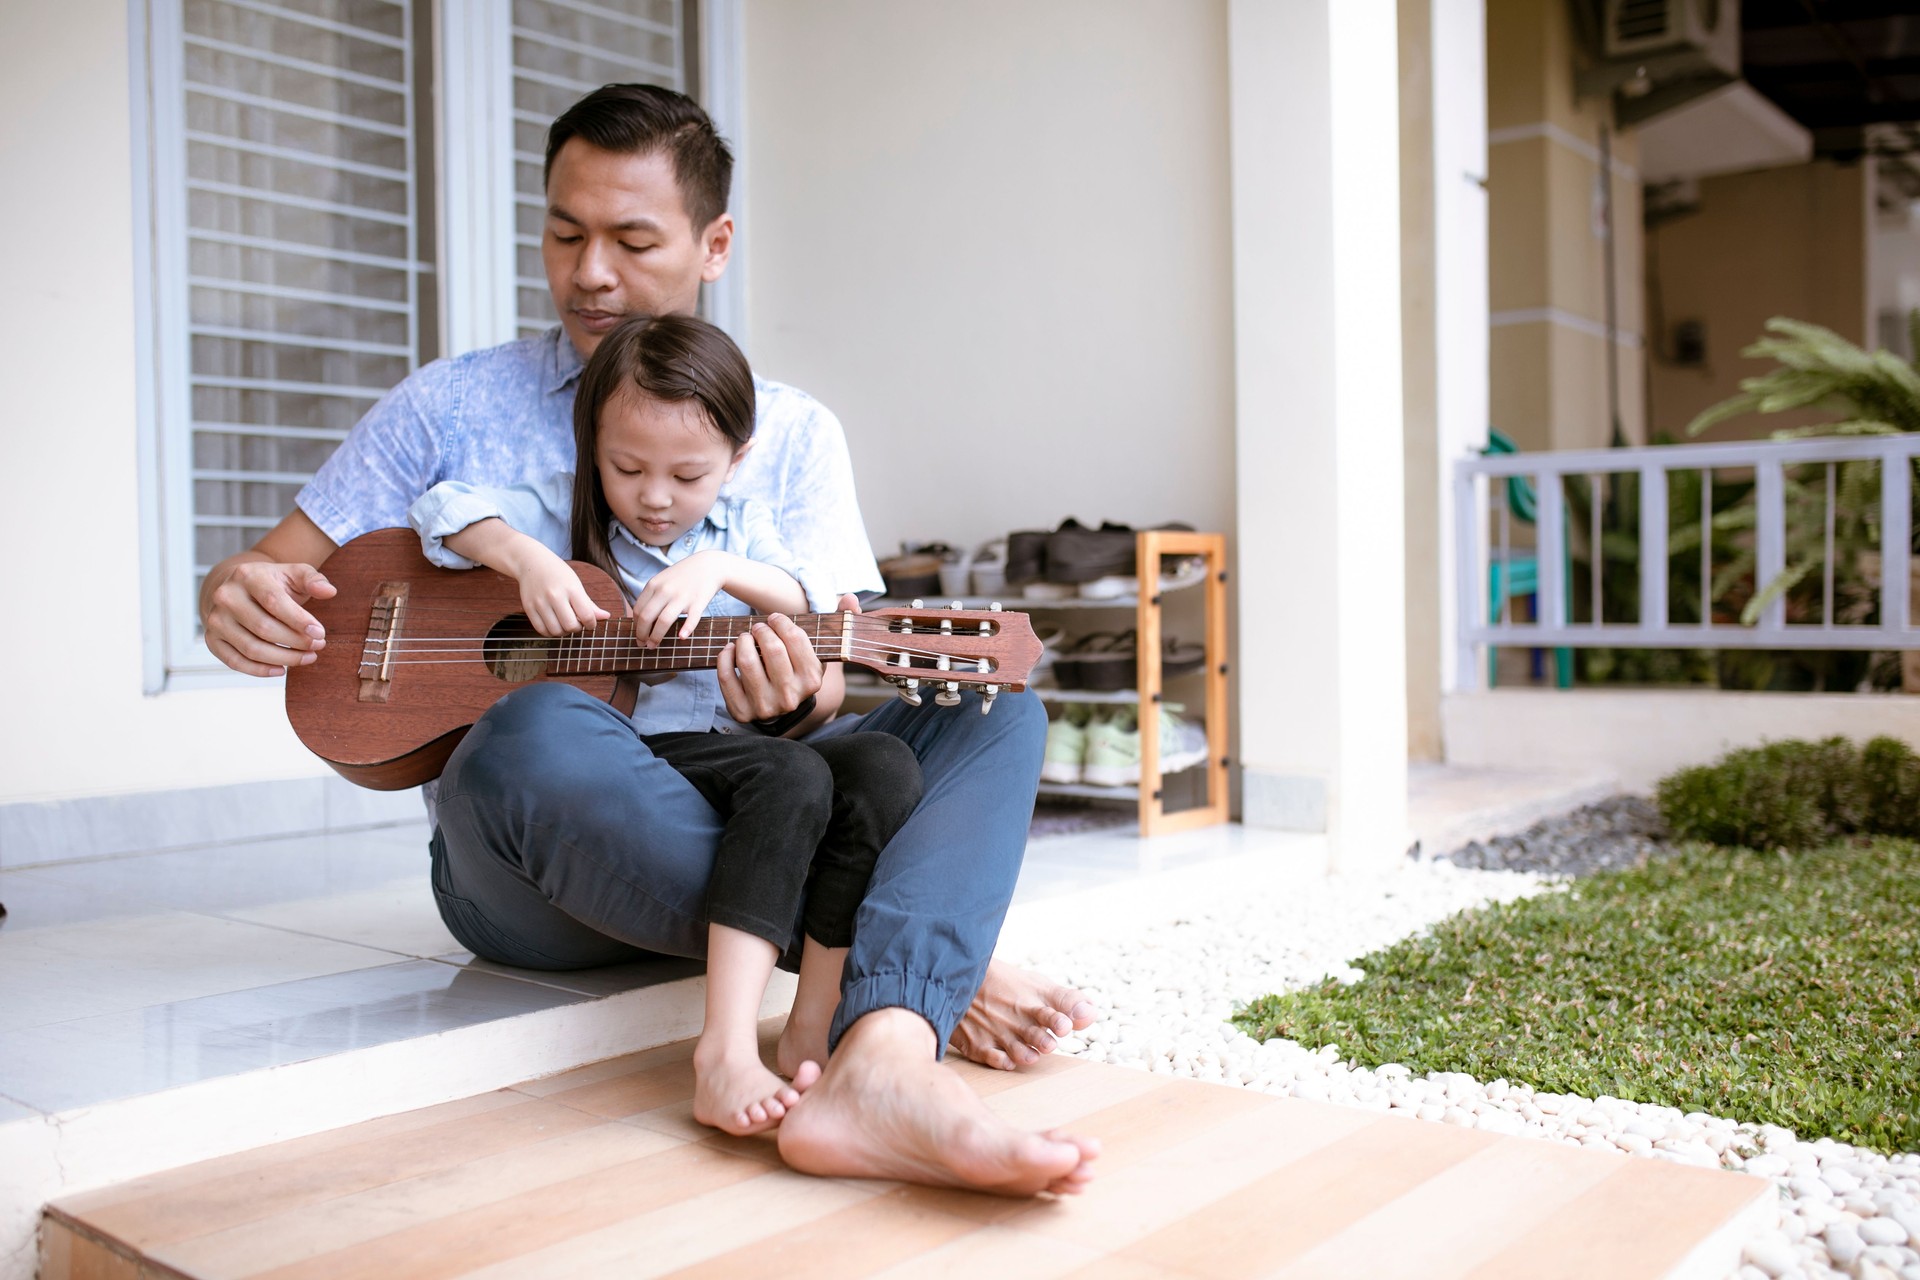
1167,990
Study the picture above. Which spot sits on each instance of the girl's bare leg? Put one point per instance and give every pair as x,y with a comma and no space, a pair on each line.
733,1090
805,1039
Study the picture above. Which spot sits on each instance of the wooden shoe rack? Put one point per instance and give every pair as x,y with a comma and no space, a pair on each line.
1198,599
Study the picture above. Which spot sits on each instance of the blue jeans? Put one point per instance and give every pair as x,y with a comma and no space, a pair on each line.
563,843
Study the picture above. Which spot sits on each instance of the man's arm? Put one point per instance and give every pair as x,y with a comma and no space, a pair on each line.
251,603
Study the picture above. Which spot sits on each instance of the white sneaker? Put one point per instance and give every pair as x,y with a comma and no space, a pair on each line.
1182,745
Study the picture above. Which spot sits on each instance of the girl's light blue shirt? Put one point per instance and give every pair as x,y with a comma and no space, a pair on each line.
690,701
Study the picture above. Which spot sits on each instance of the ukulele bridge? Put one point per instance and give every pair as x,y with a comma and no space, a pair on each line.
384,626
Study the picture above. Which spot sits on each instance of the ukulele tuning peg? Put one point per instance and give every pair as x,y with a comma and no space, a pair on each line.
994,605
909,691
987,694
918,604
947,698
955,605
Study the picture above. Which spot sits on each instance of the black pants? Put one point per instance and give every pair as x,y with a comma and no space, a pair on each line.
804,823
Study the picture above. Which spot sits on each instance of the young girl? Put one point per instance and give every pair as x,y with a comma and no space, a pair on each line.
662,418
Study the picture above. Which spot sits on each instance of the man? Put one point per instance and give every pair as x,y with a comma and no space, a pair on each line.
560,842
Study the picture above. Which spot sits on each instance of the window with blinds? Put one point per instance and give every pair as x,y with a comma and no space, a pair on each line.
290,147
300,245
563,49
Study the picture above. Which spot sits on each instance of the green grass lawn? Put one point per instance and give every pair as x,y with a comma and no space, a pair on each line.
1771,988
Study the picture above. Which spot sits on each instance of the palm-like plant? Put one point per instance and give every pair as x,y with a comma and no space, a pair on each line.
1877,393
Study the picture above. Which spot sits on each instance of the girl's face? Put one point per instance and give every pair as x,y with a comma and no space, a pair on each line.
661,464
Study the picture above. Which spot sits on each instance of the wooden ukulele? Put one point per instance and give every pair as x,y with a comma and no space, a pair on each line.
415,654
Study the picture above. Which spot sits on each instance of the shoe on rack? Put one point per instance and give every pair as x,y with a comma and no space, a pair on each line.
1111,587
1113,747
1183,744
1066,745
1077,554
1113,751
1026,556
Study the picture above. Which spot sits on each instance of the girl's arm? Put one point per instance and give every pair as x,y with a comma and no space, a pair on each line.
550,590
688,587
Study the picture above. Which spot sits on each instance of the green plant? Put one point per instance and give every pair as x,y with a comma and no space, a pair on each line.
1796,794
1875,393
1770,989
1890,777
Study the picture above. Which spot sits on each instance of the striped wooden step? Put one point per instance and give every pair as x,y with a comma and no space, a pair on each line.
603,1171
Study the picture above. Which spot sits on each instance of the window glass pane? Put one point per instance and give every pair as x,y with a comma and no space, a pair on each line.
562,50
303,301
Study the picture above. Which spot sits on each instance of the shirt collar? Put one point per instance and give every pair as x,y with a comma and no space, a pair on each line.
563,362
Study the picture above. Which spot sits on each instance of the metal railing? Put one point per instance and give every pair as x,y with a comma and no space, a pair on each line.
1487,535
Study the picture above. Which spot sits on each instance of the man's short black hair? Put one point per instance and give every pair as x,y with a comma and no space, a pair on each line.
639,119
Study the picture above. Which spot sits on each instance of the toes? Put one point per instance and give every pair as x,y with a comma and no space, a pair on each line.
995,1059
1082,1013
786,1097
808,1073
775,1107
1040,1040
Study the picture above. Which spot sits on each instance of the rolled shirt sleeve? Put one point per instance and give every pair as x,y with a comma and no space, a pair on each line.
542,511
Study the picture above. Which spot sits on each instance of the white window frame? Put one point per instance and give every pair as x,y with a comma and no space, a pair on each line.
472,169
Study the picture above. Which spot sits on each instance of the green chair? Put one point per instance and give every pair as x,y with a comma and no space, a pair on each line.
1518,573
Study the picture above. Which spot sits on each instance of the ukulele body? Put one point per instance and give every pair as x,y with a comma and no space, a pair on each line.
387,722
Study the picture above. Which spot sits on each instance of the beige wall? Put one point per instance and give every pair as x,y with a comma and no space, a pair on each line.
1780,242
994,238
77,721
1547,272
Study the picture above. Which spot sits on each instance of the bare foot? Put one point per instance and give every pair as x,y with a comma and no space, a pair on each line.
886,1109
734,1091
1018,1016
801,1043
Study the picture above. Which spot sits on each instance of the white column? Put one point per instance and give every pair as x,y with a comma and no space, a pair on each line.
1462,363
478,301
1319,449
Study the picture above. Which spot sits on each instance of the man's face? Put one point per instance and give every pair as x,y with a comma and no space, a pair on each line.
618,241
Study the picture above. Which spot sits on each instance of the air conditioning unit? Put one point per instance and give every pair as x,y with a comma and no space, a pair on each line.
1696,31
1655,55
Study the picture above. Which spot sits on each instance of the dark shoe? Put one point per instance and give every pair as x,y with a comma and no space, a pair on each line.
1026,557
1077,554
1111,665
1178,659
1066,667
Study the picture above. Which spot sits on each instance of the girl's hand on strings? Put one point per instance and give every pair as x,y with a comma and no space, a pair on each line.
680,590
551,593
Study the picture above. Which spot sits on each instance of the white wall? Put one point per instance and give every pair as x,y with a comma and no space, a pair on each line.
76,721
994,238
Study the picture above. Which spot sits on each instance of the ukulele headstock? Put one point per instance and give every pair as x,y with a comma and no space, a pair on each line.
944,650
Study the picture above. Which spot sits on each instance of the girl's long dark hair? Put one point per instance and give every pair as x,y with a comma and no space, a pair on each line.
669,358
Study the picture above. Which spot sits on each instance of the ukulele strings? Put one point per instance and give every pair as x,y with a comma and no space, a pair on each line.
625,652
603,638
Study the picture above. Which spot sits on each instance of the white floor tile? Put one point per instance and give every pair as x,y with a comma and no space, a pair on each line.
57,974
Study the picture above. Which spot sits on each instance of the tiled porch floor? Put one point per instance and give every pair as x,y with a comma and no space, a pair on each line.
135,974
602,1171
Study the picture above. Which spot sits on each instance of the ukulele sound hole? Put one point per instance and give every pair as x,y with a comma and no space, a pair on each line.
514,651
